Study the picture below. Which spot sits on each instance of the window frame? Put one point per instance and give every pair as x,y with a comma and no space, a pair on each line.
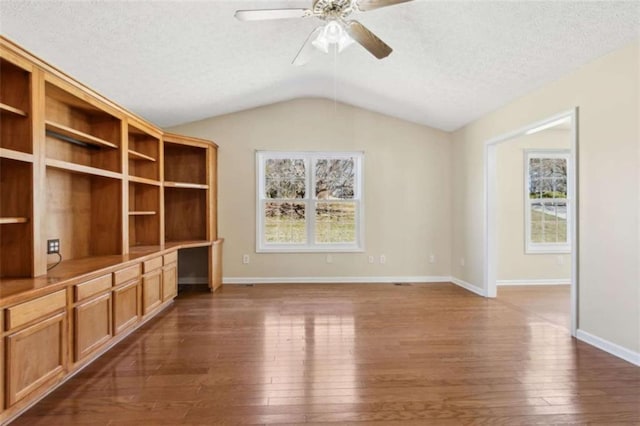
547,248
310,200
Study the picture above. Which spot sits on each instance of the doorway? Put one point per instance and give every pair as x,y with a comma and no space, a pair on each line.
545,209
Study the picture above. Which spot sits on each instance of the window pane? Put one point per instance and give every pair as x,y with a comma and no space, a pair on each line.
284,178
549,222
285,223
560,187
335,179
335,222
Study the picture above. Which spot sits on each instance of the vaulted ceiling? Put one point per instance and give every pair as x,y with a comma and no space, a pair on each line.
453,61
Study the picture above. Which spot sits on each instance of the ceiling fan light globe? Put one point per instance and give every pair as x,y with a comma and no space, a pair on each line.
332,34
344,43
321,44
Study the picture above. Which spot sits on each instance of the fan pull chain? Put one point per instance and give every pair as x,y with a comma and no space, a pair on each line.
335,79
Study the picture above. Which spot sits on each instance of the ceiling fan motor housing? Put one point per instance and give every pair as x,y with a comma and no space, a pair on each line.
332,8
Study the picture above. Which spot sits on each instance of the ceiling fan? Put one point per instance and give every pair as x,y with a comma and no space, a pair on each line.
338,31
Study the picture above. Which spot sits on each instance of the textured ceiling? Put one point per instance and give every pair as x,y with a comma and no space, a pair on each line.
178,61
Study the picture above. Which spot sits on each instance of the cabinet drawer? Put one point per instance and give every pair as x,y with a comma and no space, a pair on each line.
92,287
126,274
28,311
170,257
153,264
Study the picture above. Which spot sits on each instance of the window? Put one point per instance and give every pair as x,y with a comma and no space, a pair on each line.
309,201
546,207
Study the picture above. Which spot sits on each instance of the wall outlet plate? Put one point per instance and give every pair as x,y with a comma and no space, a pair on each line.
53,246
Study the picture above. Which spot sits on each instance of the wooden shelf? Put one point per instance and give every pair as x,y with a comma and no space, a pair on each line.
185,185
16,155
145,181
9,220
77,168
138,156
142,213
78,135
12,110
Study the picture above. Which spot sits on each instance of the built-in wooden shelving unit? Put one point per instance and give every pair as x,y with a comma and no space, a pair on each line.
121,196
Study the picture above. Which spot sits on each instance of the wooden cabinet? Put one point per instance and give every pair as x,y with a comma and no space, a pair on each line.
121,196
170,277
92,325
151,291
125,306
92,314
35,345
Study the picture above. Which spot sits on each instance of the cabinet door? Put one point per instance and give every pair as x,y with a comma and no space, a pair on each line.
151,291
169,281
92,325
125,306
35,356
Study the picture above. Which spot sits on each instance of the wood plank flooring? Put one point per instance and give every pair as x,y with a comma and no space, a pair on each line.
550,302
346,354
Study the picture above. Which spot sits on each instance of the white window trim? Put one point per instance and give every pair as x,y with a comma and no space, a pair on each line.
310,246
546,248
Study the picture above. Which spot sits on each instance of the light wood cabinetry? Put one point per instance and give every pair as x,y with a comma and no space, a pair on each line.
35,346
170,276
122,196
152,285
16,166
125,306
92,316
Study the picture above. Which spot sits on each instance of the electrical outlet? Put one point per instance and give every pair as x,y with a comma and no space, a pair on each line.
560,260
53,246
329,258
371,259
245,259
462,262
383,259
432,258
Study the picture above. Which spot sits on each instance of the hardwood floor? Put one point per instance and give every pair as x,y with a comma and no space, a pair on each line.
345,354
551,303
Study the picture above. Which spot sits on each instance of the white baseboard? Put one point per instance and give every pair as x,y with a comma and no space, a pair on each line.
607,346
333,280
559,281
468,286
193,280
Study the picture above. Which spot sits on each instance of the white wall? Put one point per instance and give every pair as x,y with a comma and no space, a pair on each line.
607,91
407,188
513,263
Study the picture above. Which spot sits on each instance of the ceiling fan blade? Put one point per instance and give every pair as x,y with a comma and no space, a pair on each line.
308,50
368,40
264,14
366,5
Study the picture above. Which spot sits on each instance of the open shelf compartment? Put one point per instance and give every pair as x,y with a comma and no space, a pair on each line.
16,228
144,214
15,107
83,211
80,132
185,214
143,153
185,164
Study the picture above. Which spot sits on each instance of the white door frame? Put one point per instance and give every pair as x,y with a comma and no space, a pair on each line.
490,208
